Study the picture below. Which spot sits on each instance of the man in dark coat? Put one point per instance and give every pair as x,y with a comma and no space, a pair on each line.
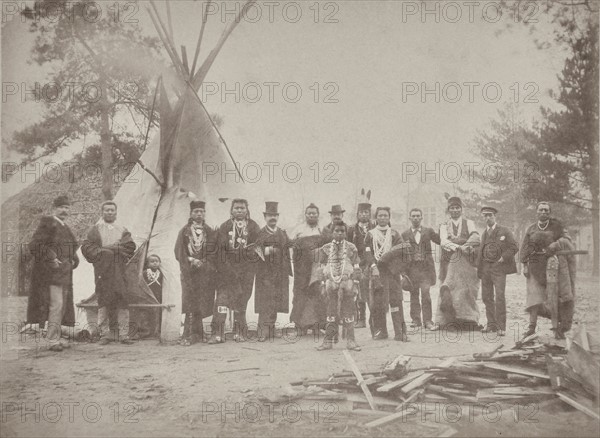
272,278
54,248
195,250
421,269
109,246
540,243
357,235
497,260
386,284
236,266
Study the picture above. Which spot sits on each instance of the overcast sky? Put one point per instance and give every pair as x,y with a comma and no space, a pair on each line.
365,57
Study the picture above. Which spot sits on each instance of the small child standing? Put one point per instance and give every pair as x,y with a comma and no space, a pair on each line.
341,273
154,279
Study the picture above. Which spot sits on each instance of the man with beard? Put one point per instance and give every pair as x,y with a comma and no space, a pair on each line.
541,242
236,265
337,216
386,288
497,260
195,251
357,235
272,278
421,269
308,307
54,248
109,246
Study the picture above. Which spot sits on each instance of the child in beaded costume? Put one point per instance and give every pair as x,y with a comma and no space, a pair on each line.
154,279
340,275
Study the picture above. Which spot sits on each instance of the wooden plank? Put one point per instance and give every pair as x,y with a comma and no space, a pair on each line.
585,365
360,379
370,412
487,354
580,404
403,381
379,401
385,420
517,369
410,398
416,383
524,390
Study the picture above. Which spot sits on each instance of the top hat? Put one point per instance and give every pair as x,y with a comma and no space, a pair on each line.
364,206
489,210
61,200
271,208
197,204
454,200
336,209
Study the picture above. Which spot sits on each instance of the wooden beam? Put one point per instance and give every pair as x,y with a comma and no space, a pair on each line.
170,22
397,383
580,404
517,369
585,365
360,379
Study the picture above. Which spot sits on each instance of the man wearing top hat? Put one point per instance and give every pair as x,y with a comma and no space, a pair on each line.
496,261
54,249
195,250
357,235
272,293
337,216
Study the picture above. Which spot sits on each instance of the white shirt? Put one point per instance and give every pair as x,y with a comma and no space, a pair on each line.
444,241
417,234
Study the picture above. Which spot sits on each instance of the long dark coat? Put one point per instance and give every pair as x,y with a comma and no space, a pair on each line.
109,266
500,243
51,240
197,284
272,288
389,281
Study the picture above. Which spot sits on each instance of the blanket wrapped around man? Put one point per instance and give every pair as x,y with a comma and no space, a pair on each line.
458,293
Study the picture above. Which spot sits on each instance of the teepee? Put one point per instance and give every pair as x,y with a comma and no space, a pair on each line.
154,204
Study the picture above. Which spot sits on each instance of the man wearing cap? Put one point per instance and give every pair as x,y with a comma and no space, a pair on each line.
496,261
54,248
357,235
272,277
421,269
109,246
236,265
308,307
195,250
538,250
337,216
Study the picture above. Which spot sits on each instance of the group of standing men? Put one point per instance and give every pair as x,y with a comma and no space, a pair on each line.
338,271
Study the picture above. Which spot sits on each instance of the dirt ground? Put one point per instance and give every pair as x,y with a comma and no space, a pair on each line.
148,389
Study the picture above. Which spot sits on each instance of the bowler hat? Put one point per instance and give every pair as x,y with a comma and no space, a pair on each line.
336,209
271,208
364,206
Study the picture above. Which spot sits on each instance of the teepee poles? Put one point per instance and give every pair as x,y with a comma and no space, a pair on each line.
199,43
173,56
199,76
167,40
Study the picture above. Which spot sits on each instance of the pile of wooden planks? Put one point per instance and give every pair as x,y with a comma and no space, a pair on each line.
528,372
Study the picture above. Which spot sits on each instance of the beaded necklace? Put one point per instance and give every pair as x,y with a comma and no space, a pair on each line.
240,233
337,265
153,276
545,226
382,243
197,240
